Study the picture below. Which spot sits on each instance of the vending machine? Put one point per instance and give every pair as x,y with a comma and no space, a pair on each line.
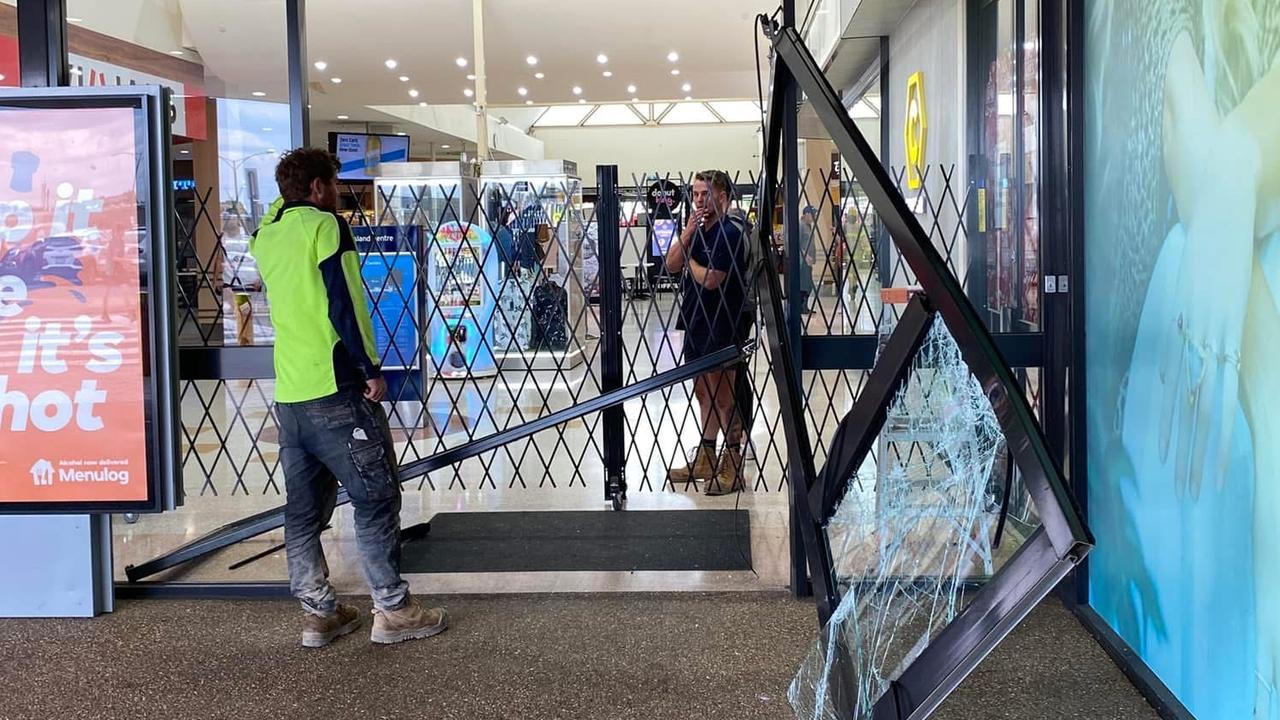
462,268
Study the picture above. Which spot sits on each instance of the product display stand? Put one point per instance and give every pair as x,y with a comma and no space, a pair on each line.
535,210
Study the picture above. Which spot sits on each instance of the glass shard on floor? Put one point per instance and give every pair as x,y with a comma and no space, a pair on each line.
914,530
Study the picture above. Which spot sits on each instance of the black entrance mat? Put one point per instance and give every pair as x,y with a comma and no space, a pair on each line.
569,541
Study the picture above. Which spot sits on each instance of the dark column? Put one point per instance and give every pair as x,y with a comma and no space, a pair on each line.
42,43
884,244
299,92
786,84
609,251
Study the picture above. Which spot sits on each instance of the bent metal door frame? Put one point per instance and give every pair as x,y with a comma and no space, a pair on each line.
1062,540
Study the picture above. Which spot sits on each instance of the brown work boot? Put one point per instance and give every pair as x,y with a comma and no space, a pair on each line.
320,630
702,467
409,622
728,478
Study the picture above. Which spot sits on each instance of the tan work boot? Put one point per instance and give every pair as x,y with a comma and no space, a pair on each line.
728,478
410,622
320,630
702,467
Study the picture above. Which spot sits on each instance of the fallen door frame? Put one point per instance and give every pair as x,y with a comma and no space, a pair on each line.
1063,539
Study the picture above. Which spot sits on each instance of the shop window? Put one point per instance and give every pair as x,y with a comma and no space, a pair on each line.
9,76
564,116
737,110
689,113
230,117
614,115
1004,263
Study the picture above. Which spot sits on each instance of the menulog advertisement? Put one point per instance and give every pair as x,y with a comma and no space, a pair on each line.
72,413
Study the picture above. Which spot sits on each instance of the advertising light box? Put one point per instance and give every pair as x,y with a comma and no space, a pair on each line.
87,422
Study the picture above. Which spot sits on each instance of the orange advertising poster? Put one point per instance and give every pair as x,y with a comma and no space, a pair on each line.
72,403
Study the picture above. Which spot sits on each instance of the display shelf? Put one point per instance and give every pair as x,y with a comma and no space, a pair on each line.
535,209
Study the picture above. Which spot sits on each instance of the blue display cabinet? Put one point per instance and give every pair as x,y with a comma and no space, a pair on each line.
459,261
462,269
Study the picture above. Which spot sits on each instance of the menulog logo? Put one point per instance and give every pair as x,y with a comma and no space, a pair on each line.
44,472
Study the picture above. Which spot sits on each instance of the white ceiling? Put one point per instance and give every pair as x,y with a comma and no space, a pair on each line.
241,42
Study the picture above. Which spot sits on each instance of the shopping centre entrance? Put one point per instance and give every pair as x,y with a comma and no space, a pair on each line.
885,459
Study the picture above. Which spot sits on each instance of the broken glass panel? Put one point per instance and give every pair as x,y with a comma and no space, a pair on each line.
914,535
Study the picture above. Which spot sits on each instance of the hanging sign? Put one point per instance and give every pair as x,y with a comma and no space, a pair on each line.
663,199
916,130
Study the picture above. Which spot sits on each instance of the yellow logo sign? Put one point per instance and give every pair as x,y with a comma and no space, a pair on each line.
915,133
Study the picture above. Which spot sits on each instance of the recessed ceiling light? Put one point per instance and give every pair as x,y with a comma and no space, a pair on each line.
582,101
422,104
471,77
539,75
336,81
402,134
532,60
635,99
321,65
631,88
675,71
468,92
577,90
528,102
686,87
673,56
607,73
413,93
522,91
392,64
185,152
259,93
445,147
175,52
462,62
404,78
344,117
602,58
688,97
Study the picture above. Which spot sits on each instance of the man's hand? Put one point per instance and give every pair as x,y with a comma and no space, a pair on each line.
375,390
695,221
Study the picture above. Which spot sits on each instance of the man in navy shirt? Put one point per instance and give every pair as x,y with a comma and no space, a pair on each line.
711,254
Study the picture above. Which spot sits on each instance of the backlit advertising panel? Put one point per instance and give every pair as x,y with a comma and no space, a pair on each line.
79,306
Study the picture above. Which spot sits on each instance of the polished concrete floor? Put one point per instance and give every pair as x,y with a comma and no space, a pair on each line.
582,656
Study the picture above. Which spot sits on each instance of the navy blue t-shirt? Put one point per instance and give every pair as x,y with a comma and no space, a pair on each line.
715,313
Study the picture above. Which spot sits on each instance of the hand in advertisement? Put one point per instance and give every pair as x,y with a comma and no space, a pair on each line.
1200,360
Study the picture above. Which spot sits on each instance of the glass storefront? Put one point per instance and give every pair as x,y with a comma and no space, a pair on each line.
231,123
1004,109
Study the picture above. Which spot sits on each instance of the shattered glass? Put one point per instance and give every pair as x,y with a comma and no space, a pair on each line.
912,535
